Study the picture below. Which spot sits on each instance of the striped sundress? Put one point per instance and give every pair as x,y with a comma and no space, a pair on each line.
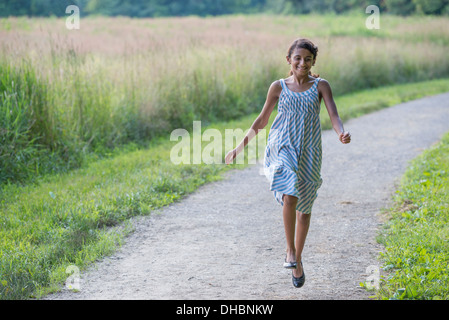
292,161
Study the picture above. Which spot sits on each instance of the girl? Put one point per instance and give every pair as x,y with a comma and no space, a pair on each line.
292,161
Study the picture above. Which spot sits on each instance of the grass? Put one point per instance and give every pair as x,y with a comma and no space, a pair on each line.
77,217
416,254
71,218
68,95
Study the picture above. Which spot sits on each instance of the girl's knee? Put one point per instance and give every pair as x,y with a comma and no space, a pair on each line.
289,200
303,216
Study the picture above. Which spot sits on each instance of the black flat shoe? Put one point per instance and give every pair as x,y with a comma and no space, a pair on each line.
299,282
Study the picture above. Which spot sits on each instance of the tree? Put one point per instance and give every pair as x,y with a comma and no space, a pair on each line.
431,6
15,8
156,8
400,7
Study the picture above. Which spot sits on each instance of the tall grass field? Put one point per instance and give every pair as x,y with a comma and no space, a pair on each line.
86,115
67,94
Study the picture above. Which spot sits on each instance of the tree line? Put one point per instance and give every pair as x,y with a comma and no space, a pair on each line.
159,8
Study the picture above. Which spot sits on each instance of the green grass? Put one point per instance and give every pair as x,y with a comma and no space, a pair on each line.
70,218
416,236
77,217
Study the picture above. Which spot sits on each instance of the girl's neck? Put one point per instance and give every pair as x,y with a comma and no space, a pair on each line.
301,79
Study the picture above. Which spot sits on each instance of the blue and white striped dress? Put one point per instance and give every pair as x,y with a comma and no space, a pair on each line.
293,154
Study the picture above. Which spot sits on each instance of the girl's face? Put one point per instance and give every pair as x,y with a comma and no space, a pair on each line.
301,61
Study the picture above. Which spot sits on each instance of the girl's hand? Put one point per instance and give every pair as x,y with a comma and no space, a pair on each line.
230,156
345,137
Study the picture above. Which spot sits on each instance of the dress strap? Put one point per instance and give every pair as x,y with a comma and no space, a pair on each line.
282,83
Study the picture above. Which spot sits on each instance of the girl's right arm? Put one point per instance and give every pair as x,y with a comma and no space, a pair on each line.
261,121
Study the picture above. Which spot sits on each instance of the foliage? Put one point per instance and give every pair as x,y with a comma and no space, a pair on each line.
434,7
401,7
158,8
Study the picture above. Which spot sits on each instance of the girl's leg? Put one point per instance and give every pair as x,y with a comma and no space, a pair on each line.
289,215
302,228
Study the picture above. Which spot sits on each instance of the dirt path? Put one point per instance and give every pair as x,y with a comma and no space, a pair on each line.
226,241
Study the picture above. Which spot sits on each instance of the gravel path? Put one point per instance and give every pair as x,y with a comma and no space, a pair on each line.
226,240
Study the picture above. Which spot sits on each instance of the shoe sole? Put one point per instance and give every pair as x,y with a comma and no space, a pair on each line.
290,265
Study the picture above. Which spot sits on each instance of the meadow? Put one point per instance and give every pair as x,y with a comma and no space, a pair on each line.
69,95
86,115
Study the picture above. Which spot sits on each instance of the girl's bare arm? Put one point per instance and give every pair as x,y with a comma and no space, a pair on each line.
261,121
326,92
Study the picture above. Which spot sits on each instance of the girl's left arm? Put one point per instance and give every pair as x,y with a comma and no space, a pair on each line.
326,93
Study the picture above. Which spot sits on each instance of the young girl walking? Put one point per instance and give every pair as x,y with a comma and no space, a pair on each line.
292,161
